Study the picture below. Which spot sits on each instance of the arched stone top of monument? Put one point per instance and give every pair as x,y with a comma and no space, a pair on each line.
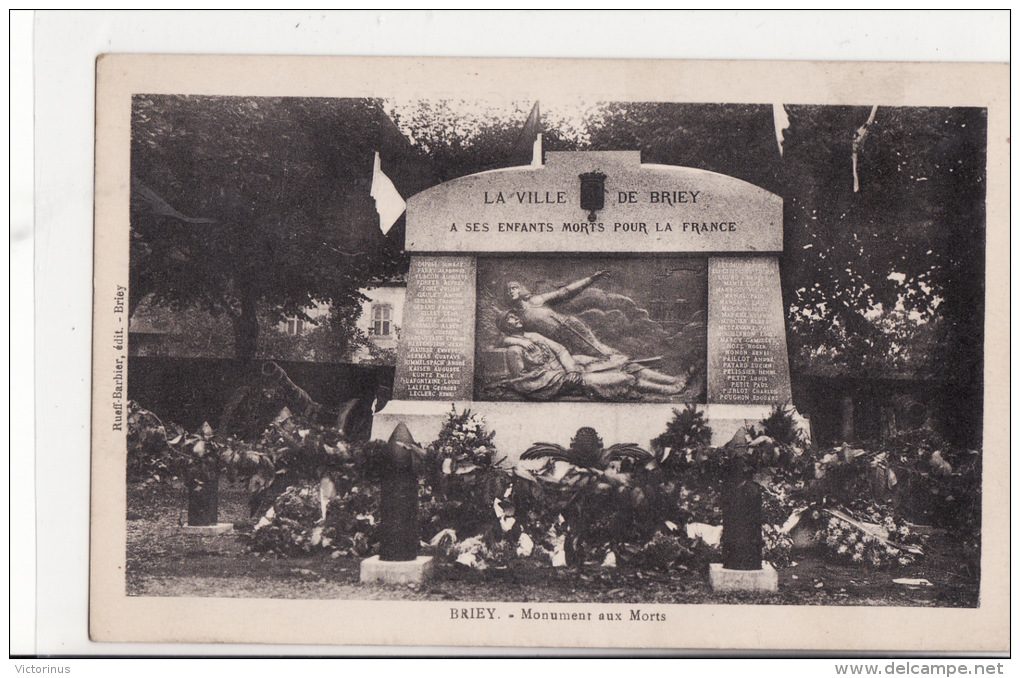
600,201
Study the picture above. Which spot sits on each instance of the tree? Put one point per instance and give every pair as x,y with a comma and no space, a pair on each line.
908,244
275,198
334,340
458,137
733,139
889,279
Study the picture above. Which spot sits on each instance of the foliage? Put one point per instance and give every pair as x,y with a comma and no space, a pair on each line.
294,525
371,460
464,137
734,139
314,483
464,444
466,483
457,144
942,483
378,355
685,433
692,471
915,476
204,456
277,192
183,333
323,492
888,278
199,457
555,509
564,503
597,500
780,427
192,331
301,452
581,504
778,545
927,479
334,338
150,457
884,543
781,499
701,471
666,550
602,508
701,499
479,513
478,552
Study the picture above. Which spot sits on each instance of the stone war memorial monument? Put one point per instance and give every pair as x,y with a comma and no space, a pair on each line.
593,290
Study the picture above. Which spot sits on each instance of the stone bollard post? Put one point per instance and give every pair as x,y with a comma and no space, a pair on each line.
742,516
398,561
203,505
398,502
742,568
203,498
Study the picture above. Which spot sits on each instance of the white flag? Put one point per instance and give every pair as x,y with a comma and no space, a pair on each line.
388,202
782,123
862,133
528,147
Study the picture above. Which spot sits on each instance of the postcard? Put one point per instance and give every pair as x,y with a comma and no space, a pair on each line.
684,355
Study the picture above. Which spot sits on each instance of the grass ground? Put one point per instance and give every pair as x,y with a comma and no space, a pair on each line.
162,561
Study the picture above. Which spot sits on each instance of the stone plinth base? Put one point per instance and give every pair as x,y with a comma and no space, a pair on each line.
207,530
519,425
396,571
765,580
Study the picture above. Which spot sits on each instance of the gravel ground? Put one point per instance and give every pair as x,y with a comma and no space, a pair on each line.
162,561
